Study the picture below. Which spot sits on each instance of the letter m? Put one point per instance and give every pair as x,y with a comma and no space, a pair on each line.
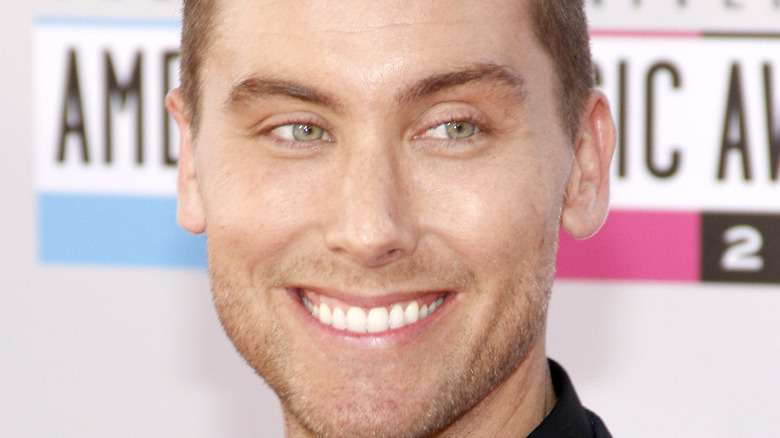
121,92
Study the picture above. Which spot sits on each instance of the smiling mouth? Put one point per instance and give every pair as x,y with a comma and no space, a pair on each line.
374,320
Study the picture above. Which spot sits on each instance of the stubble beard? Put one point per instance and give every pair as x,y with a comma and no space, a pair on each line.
354,402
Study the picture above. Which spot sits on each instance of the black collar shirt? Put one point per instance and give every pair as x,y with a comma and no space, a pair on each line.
568,418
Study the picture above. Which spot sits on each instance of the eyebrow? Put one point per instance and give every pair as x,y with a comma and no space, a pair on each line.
258,87
480,73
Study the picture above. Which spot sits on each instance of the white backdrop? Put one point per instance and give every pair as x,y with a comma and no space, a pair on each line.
97,340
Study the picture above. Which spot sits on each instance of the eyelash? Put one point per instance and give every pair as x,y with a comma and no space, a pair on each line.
267,131
481,128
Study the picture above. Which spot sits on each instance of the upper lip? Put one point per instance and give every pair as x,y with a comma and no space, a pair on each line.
372,297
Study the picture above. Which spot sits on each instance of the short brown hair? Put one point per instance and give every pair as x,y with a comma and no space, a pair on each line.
559,25
562,29
197,27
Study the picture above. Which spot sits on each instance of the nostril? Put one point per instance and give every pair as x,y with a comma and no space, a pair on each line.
371,249
384,258
391,255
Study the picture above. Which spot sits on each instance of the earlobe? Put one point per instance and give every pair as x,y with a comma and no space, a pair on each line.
587,194
190,212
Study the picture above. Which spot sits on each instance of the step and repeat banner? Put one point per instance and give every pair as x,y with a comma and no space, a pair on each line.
105,149
694,228
696,168
698,157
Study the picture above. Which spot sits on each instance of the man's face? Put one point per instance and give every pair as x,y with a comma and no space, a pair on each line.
369,160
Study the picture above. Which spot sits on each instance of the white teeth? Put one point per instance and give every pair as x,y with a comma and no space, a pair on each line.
356,320
412,313
396,317
378,320
339,319
325,316
375,320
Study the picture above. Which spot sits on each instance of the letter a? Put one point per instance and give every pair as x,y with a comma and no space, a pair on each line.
72,112
734,129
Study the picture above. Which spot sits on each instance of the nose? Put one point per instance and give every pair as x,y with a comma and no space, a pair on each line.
372,221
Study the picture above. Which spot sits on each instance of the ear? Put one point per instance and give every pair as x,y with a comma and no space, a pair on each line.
190,211
587,194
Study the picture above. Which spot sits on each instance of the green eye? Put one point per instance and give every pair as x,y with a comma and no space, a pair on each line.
303,132
458,130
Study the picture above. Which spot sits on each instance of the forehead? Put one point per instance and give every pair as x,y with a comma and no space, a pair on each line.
368,41
360,16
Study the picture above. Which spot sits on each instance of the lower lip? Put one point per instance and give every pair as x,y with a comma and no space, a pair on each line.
385,340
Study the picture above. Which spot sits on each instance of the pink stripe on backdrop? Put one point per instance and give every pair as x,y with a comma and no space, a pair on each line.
636,245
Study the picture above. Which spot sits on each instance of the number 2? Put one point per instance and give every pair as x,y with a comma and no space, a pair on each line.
743,245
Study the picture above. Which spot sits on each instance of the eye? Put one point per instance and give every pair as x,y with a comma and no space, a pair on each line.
301,132
455,130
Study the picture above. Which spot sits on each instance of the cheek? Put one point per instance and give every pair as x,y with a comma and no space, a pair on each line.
505,214
254,212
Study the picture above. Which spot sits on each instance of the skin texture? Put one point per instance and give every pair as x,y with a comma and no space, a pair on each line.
384,209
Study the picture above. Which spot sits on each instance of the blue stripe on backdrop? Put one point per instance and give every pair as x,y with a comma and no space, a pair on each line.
115,230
